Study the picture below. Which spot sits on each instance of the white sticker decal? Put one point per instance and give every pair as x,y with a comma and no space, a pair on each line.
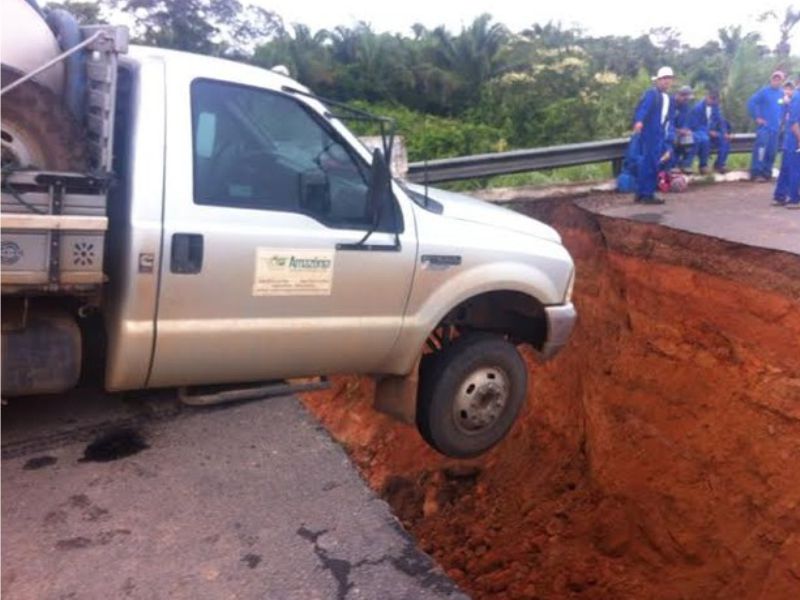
284,272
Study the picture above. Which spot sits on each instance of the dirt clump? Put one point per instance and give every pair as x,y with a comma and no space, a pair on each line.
657,455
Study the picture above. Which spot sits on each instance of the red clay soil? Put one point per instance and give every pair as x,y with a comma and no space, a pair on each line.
658,456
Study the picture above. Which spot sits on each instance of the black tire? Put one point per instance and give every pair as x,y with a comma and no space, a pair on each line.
495,370
34,118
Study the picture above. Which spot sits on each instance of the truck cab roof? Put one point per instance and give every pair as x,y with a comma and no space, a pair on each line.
213,67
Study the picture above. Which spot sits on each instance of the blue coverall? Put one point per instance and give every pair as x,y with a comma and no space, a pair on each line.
784,118
765,104
702,124
682,155
653,136
788,185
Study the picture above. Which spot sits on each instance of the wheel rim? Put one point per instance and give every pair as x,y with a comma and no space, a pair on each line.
17,149
481,399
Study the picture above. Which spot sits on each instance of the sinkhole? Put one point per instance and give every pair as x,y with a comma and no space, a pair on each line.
657,456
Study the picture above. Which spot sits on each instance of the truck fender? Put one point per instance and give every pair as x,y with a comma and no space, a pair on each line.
498,277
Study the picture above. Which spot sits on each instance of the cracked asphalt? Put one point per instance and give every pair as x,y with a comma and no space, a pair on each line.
739,212
246,501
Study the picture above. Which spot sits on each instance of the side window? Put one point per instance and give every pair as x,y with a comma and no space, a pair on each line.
259,149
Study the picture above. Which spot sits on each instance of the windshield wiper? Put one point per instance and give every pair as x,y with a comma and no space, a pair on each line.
387,124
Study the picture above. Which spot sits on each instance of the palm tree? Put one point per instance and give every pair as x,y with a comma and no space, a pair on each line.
790,19
306,54
474,56
731,40
552,36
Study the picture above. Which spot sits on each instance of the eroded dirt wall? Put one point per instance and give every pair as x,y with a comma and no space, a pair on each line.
659,454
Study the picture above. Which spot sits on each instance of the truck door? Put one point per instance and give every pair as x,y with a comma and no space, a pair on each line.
260,279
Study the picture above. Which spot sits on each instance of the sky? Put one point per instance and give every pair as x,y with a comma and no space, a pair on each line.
697,20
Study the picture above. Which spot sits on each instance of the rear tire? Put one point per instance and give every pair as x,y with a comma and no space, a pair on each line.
470,394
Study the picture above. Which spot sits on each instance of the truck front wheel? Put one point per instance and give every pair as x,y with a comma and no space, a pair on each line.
470,394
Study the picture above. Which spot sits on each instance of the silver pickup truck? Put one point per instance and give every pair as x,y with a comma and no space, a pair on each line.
228,228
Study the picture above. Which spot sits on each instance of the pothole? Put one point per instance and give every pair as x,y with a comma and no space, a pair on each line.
657,455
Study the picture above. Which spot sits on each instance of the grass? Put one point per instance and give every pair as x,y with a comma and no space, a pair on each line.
595,172
739,162
578,173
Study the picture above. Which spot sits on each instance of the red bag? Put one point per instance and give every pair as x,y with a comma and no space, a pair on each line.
664,181
672,182
678,182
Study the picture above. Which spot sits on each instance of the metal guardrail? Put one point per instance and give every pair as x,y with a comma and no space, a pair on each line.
535,159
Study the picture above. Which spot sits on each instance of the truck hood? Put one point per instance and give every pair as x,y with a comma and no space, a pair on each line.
467,208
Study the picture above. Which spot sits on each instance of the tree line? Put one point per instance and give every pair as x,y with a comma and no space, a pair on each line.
481,89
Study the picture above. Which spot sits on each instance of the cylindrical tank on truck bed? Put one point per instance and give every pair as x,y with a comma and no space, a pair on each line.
27,43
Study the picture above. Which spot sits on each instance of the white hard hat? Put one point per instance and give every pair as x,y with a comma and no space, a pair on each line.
664,72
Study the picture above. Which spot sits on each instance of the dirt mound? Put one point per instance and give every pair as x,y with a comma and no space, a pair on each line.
657,456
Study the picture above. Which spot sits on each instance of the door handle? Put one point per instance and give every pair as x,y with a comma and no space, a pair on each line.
187,253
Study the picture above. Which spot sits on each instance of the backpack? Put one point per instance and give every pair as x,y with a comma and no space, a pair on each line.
631,164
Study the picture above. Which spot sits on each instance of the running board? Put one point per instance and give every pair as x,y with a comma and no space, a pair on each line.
202,396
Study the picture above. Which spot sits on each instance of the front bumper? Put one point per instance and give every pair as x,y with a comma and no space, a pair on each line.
560,322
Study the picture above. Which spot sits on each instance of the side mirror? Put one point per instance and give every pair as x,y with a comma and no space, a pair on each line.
379,185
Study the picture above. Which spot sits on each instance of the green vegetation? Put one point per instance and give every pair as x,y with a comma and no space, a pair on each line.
431,136
548,177
483,89
551,176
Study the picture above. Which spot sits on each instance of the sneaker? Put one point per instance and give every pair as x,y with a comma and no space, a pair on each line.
793,205
703,171
686,171
651,200
779,202
721,170
759,179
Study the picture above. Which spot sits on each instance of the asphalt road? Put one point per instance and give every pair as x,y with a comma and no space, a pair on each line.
737,212
247,501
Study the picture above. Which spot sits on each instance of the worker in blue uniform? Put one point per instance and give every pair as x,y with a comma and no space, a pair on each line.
652,121
710,131
765,107
684,146
721,144
787,189
788,92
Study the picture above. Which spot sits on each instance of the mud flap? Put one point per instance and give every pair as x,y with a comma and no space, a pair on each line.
43,356
396,395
